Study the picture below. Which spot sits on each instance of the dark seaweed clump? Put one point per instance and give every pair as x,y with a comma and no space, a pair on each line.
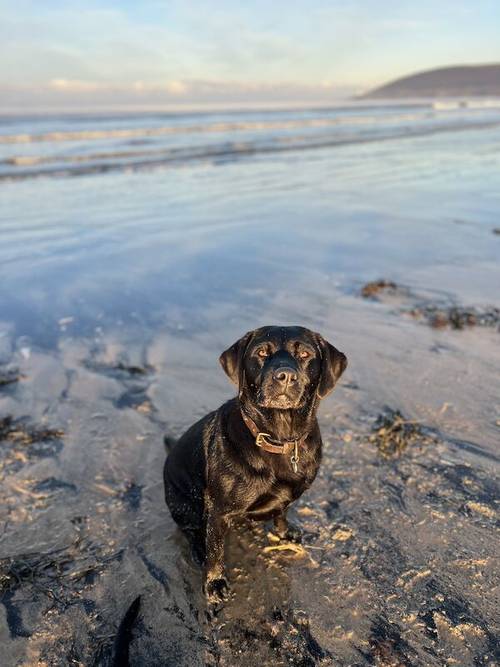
62,577
372,289
18,432
55,572
393,433
9,376
437,314
456,317
119,370
15,430
36,569
286,631
20,442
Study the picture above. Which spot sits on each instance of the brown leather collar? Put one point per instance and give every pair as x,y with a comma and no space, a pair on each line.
269,444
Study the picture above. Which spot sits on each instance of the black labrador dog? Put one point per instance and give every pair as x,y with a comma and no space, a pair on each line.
259,451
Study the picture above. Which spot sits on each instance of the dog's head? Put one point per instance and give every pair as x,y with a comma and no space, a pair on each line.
283,367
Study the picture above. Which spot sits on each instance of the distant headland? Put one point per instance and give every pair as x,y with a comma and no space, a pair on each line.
458,81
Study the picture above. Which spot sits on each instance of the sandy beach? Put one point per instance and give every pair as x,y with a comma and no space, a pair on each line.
121,284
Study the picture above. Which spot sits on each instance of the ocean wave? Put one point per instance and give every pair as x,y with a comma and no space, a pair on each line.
441,105
461,104
483,104
75,165
216,127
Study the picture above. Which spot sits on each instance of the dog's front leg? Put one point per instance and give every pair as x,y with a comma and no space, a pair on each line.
286,530
216,586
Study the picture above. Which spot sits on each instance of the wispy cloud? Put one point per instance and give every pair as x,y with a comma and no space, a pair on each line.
77,94
75,86
158,52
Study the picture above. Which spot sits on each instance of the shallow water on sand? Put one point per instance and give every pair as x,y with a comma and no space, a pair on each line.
119,290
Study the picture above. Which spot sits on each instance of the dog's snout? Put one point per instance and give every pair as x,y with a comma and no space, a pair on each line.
285,375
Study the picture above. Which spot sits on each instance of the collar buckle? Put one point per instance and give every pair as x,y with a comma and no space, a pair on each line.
260,438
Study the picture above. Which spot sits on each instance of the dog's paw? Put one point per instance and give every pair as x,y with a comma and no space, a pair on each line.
292,534
217,590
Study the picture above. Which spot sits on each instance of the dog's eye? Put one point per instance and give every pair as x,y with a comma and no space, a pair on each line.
262,353
304,354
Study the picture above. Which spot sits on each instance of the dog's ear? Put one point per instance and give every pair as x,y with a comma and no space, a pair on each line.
333,364
231,360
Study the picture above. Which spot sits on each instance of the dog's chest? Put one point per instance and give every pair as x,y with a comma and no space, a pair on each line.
280,485
271,497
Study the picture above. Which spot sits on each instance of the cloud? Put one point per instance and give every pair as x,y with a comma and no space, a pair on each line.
176,87
75,86
173,87
192,93
73,42
154,52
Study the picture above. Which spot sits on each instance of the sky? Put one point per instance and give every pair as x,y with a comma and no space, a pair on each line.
161,53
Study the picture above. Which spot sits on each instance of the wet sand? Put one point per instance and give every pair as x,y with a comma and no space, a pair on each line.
400,558
109,340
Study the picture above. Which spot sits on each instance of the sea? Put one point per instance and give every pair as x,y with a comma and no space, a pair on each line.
111,218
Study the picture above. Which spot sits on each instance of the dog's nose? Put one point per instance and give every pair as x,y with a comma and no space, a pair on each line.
285,375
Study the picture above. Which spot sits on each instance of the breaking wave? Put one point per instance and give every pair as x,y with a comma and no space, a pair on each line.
71,146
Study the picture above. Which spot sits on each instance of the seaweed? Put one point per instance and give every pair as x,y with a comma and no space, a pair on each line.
132,495
54,573
455,317
285,630
440,313
119,370
387,646
393,433
19,442
9,376
372,289
18,431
